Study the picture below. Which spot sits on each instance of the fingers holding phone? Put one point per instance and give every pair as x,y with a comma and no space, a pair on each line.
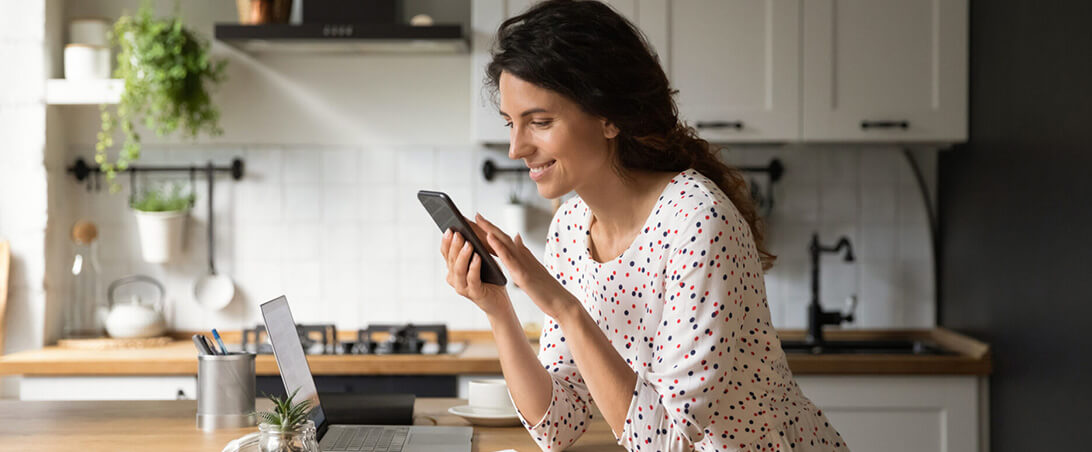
464,273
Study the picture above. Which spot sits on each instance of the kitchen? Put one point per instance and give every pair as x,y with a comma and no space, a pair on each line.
335,141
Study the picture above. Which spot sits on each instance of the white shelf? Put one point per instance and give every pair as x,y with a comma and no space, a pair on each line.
61,91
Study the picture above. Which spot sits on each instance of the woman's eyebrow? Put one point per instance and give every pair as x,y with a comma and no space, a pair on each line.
528,112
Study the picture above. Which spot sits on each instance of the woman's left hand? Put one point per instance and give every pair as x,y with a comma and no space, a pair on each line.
527,272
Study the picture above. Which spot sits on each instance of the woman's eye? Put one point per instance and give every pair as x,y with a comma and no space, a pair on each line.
540,123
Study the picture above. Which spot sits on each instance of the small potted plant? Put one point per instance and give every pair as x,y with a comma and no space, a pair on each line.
161,214
287,428
168,74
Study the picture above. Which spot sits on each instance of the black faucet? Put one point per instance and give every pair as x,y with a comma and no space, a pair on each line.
817,317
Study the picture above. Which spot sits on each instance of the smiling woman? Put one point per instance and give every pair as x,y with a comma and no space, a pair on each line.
652,280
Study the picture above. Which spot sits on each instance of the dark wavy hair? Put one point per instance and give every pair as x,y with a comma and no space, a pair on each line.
593,56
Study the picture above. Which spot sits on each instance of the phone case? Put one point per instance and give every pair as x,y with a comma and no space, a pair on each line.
447,216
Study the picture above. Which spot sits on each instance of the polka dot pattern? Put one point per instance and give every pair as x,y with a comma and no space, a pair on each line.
685,306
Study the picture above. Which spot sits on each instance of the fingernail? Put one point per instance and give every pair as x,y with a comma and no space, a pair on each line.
466,245
447,233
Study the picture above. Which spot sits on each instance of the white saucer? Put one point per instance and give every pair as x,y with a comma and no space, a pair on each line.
486,417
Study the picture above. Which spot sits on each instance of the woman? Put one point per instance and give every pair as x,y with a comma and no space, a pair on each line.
653,276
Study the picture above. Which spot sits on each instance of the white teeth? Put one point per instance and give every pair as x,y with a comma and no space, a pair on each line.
539,169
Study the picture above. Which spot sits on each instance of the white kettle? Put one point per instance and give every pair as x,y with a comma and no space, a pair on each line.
135,317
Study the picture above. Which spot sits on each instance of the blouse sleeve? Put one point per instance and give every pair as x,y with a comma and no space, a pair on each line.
684,394
567,416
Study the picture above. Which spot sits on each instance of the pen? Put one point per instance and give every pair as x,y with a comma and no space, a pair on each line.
202,348
219,341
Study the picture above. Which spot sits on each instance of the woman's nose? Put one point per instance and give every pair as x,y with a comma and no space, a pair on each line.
519,146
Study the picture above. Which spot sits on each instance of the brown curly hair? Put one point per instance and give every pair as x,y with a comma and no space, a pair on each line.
593,56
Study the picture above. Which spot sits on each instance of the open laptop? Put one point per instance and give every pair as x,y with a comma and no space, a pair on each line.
296,373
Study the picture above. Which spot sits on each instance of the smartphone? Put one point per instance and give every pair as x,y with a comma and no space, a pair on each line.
447,216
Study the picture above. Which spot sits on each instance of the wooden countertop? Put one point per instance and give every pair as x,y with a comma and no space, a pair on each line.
170,426
480,357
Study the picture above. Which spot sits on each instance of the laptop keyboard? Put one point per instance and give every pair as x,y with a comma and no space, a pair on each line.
365,438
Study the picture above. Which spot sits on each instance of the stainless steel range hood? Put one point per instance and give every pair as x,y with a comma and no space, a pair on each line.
343,38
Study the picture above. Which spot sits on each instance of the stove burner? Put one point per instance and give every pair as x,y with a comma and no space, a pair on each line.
322,340
316,339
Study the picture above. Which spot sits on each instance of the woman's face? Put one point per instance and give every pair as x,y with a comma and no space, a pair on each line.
563,146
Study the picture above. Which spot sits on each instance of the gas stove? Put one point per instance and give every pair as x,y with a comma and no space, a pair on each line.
379,339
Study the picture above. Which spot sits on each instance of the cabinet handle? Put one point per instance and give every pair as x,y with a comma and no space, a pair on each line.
885,125
738,125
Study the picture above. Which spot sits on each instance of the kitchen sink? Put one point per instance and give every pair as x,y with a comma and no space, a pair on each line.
877,347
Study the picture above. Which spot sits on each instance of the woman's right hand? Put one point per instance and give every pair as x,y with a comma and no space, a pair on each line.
464,275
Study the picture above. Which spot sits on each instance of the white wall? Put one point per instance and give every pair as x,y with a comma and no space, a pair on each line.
23,190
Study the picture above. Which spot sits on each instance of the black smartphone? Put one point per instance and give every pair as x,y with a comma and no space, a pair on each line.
447,216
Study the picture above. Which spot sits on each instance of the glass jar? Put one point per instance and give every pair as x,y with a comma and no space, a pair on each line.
86,310
301,439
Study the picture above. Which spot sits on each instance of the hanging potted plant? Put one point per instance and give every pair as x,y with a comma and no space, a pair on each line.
515,215
287,428
161,214
167,74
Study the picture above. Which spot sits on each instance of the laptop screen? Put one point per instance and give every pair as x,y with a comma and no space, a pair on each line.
291,360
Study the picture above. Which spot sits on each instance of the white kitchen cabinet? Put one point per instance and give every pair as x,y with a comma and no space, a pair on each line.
903,413
885,70
735,63
108,388
485,16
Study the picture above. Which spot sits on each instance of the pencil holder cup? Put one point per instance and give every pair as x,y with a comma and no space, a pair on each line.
225,391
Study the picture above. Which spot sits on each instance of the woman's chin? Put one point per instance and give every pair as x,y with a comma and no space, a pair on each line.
548,190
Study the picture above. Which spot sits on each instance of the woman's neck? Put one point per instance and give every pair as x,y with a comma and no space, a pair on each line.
619,204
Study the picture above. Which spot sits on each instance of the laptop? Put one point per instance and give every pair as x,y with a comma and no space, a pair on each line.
296,373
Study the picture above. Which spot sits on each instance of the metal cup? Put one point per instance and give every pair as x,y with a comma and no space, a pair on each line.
225,391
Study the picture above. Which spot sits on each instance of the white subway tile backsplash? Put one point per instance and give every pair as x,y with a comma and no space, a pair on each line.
339,167
838,204
879,205
341,233
302,202
416,167
302,241
302,166
340,203
378,166
838,166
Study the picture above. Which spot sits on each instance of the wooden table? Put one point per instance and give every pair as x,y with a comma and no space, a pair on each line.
170,426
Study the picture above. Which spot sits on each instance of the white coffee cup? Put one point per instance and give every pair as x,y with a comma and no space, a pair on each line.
491,395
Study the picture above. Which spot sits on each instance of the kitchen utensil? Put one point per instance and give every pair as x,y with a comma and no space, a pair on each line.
86,309
5,265
213,291
134,318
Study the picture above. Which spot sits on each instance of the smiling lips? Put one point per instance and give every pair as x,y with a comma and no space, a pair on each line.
539,171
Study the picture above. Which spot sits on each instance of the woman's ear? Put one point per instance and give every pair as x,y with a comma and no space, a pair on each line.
609,129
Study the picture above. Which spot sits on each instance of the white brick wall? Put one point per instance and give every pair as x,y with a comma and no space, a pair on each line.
23,196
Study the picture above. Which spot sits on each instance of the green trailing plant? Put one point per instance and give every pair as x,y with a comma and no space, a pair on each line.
168,75
287,415
165,198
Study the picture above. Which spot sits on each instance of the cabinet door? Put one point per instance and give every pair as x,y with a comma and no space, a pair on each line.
736,64
885,70
486,15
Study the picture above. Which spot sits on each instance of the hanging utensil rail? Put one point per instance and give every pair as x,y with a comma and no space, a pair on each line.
90,173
